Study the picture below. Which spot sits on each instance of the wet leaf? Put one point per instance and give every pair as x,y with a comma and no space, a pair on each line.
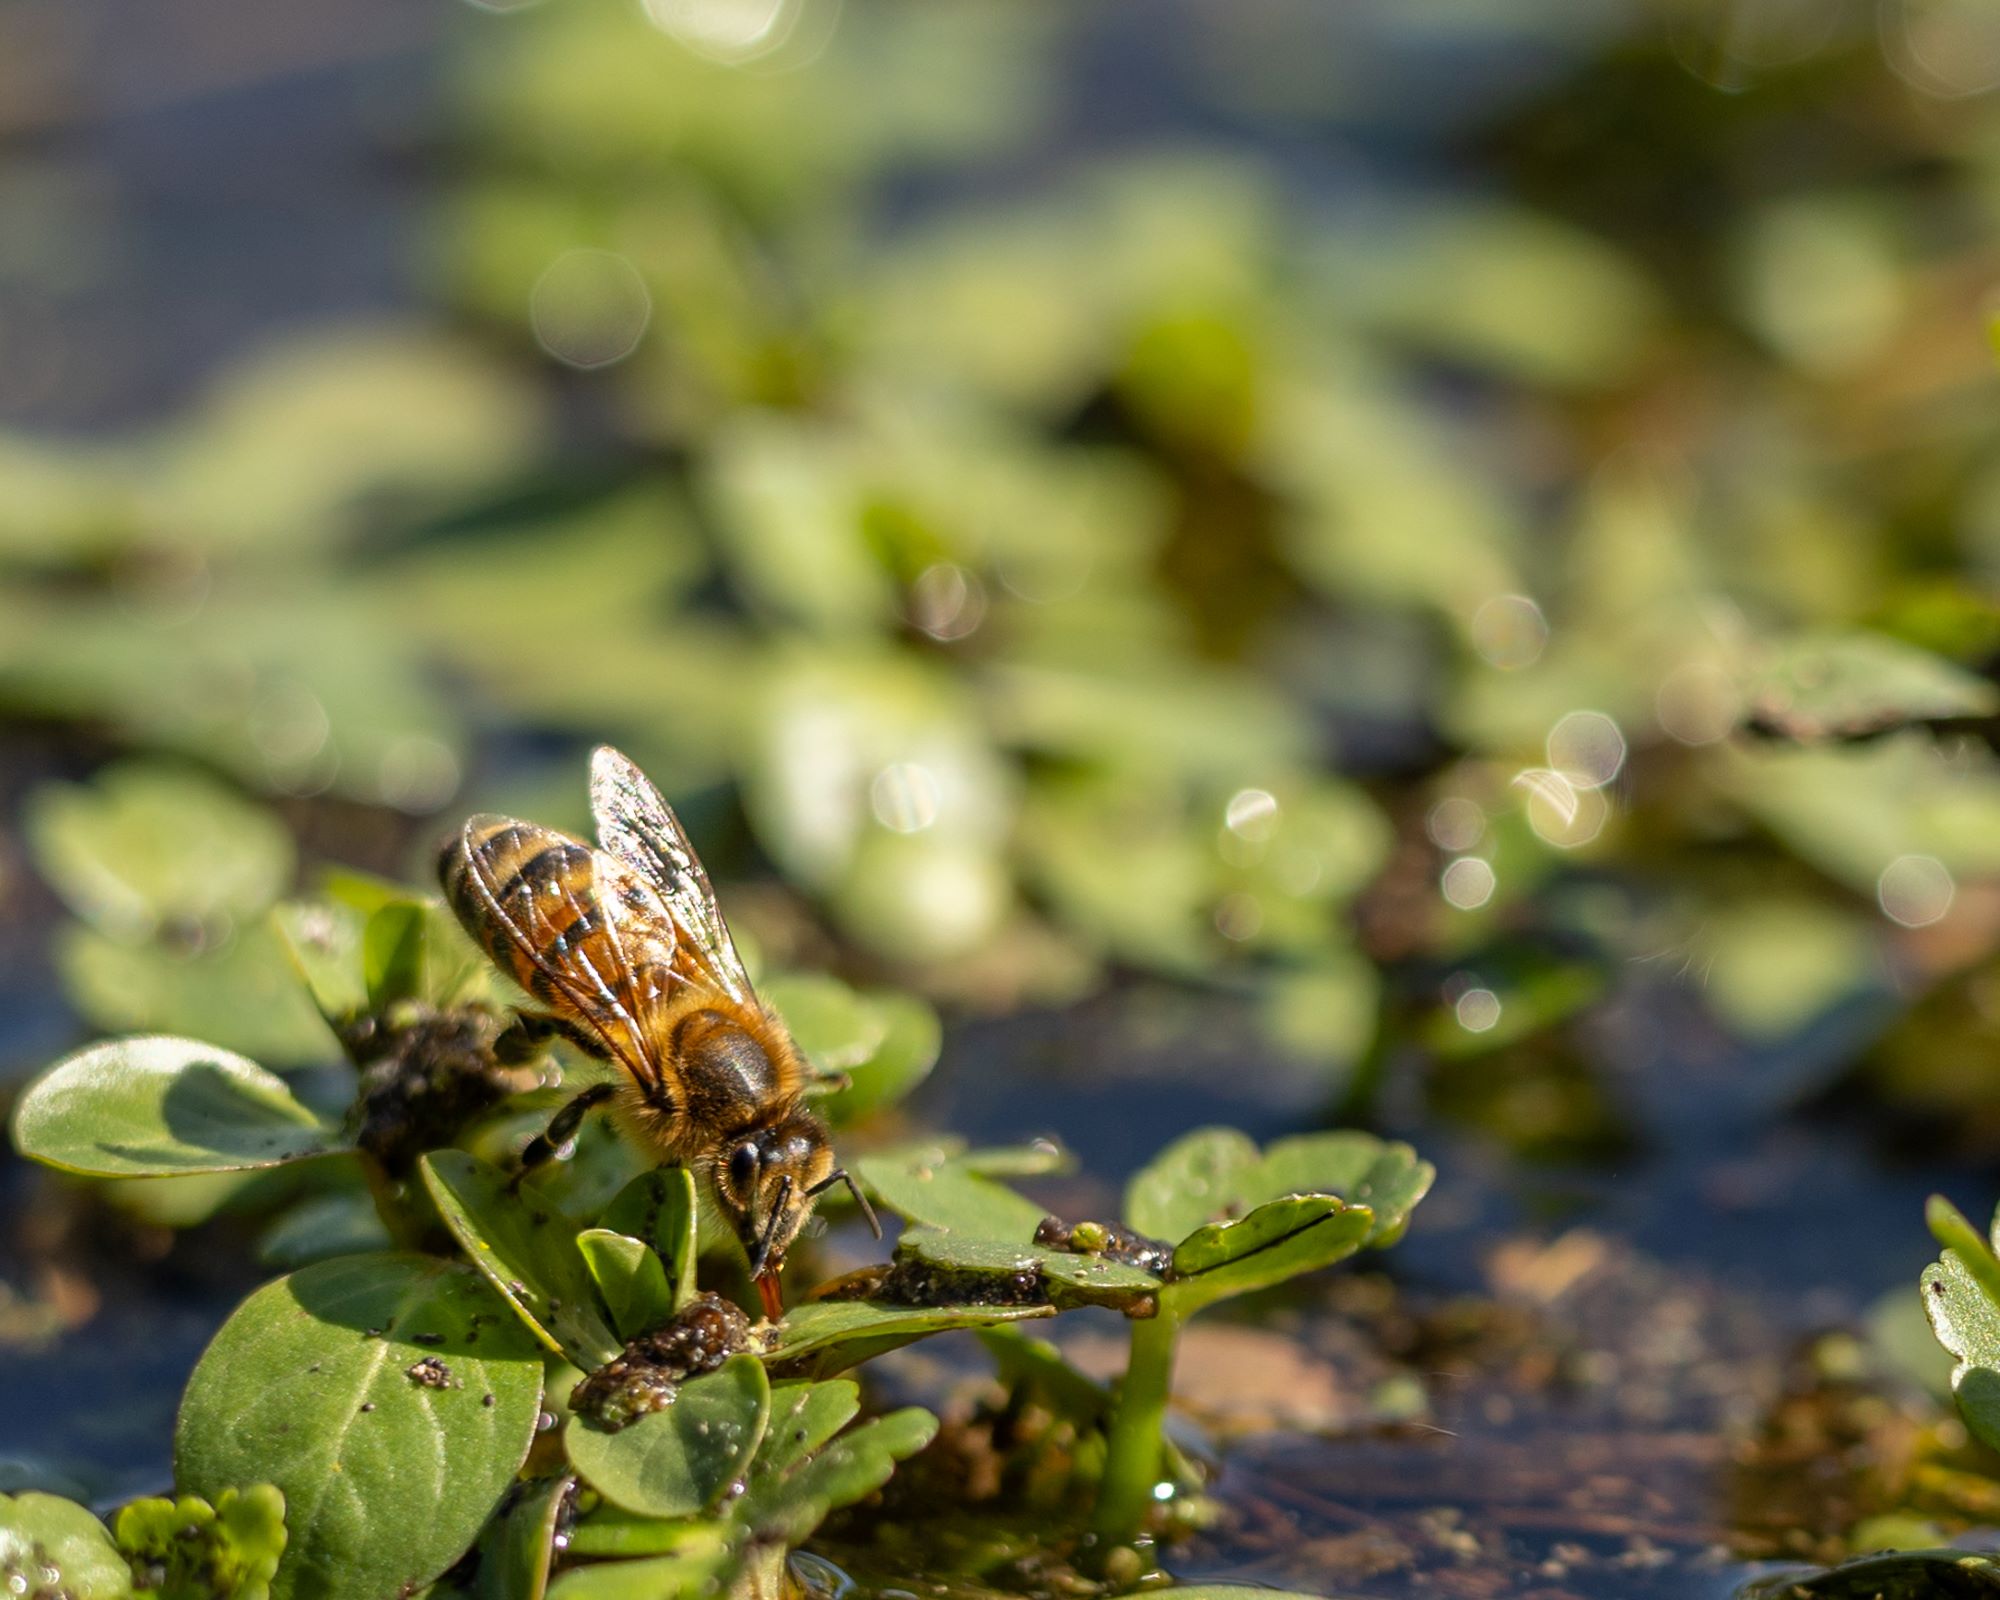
188,1549
681,1460
527,1249
660,1207
1218,1174
309,1386
154,1106
824,1337
1027,1272
1851,684
49,1545
1279,1240
630,1279
1195,1178
794,1496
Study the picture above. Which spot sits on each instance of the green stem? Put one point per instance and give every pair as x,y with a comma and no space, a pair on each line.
1137,1444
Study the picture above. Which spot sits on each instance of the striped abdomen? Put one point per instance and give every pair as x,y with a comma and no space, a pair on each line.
580,933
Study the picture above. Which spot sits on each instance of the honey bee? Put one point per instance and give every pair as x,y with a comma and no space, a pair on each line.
627,950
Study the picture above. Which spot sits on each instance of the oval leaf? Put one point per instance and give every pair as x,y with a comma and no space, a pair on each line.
631,1279
49,1545
527,1249
660,1208
932,1185
157,1105
515,1552
681,1460
829,1336
1195,1179
365,1388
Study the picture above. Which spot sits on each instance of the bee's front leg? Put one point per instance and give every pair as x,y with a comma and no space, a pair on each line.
561,1129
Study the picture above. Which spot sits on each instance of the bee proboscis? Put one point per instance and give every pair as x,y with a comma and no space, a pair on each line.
625,948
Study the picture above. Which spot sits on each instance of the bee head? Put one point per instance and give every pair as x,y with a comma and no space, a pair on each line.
767,1182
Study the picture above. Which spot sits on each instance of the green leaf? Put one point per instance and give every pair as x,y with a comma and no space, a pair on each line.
526,1249
1277,1241
341,1223
794,1497
803,1417
1195,1178
187,1549
146,844
1218,1174
51,1546
514,1553
883,1041
1034,1272
931,1184
365,1388
1845,685
698,1570
392,955
681,1460
242,994
823,1337
323,939
154,1106
659,1206
631,1279
1961,1294
1358,1167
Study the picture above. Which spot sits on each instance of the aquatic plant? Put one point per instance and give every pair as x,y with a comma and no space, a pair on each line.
473,1385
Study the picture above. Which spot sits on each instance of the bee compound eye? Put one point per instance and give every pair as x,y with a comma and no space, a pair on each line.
743,1167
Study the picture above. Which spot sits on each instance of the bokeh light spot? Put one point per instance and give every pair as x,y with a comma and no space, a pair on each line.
947,602
1251,814
1456,823
590,308
1510,632
905,797
728,31
1477,1010
1587,748
1915,890
1468,883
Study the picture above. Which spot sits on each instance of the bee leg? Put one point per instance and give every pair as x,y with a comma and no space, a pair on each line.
524,1038
561,1129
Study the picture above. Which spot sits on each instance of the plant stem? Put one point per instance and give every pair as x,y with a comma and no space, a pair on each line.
1137,1441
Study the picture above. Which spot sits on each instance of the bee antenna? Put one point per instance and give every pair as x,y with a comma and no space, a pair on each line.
853,1188
763,1251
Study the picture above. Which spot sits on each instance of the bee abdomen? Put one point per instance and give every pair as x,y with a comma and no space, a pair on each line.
539,882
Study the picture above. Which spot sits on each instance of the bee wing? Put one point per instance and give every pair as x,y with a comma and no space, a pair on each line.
638,827
575,927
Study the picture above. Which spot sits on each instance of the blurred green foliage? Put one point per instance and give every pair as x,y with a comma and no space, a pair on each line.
1183,555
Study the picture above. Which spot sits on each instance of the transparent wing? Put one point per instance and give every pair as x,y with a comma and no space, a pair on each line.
638,827
576,928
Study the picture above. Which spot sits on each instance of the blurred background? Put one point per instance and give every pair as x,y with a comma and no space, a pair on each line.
1427,565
